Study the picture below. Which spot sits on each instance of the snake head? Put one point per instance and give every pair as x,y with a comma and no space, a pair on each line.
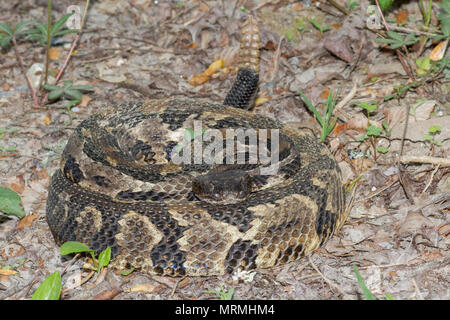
222,187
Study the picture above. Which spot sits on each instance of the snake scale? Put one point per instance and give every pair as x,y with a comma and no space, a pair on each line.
119,185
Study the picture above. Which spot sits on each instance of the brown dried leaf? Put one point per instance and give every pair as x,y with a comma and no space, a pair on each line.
85,101
7,272
19,188
198,79
402,16
47,119
54,53
297,7
27,221
107,294
414,221
145,287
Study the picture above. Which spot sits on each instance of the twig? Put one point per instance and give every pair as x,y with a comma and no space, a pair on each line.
22,68
408,30
402,61
431,178
176,286
411,77
424,159
47,51
74,44
339,7
331,283
380,191
6,66
70,263
337,109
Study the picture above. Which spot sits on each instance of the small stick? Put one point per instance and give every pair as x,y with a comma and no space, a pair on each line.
407,30
424,159
339,7
70,263
330,283
22,68
431,178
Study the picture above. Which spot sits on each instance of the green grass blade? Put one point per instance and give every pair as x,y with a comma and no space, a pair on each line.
311,107
366,291
104,258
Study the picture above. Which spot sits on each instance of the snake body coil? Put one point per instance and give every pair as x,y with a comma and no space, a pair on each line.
119,185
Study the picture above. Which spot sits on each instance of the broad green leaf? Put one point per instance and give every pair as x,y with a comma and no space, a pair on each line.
70,247
42,28
63,32
50,288
361,138
55,94
5,41
104,258
6,28
382,149
424,63
18,28
434,129
444,17
10,202
385,4
72,103
127,272
58,24
35,36
386,41
67,84
374,130
73,94
395,35
50,87
82,87
366,291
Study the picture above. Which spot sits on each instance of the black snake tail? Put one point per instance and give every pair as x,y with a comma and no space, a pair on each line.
245,87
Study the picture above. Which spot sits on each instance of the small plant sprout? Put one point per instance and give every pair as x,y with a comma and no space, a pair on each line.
396,40
431,136
222,293
104,258
68,91
50,288
373,132
326,123
41,30
318,26
368,106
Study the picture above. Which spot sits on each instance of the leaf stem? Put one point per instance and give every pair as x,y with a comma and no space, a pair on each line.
402,61
74,44
22,68
47,58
